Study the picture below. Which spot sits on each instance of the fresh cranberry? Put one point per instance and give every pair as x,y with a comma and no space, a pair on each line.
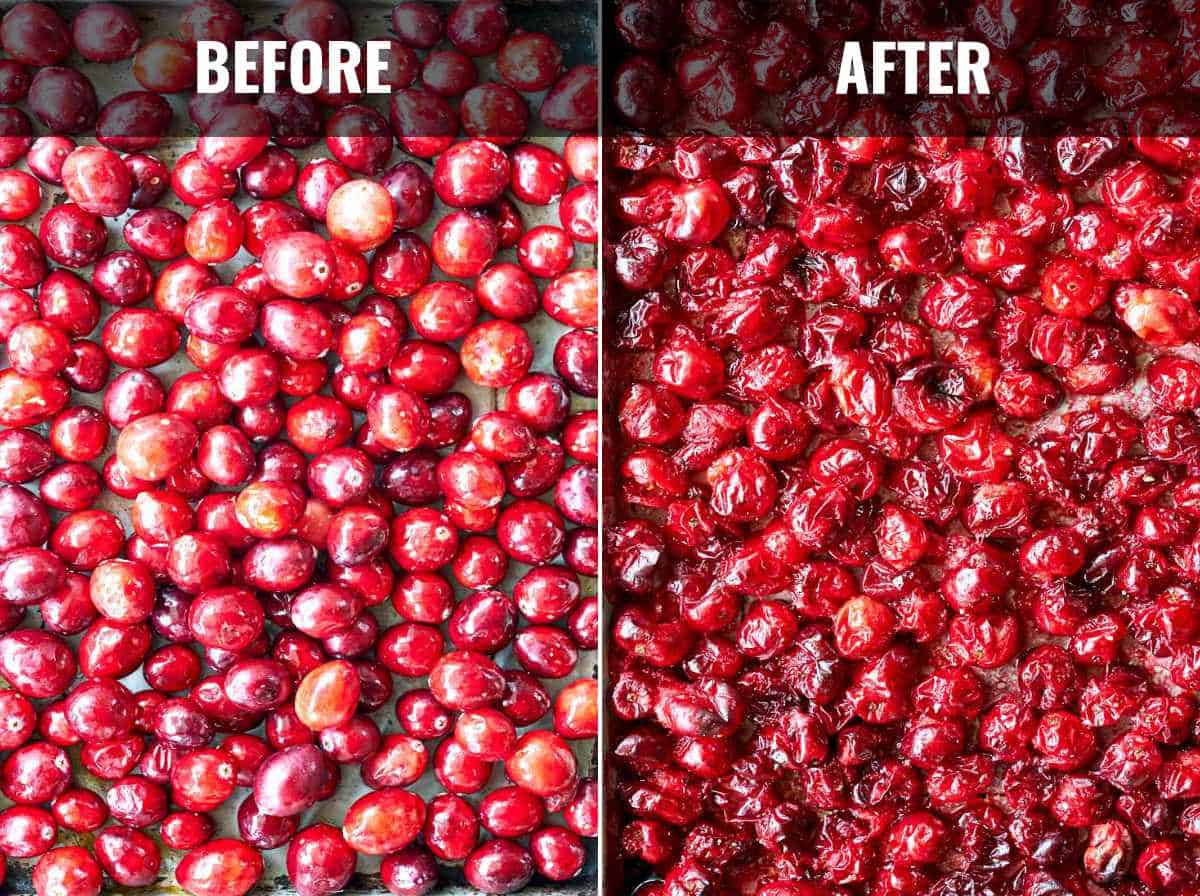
221,866
206,565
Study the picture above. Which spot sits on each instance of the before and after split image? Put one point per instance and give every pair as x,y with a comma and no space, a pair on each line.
635,448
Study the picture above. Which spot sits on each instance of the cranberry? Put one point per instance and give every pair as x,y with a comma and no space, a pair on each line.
360,214
105,32
541,763
20,196
221,866
496,354
359,138
327,696
298,264
79,810
37,664
571,103
63,100
150,179
384,821
473,173
529,61
448,73
418,23
264,831
412,871
464,243
68,869
499,866
319,861
35,35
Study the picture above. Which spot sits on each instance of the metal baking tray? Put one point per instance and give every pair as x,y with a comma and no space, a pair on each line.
573,24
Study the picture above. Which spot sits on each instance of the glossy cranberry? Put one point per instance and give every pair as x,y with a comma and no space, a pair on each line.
499,866
496,354
458,771
575,710
227,618
34,34
97,181
46,155
150,179
579,213
412,871
288,782
214,232
137,802
351,742
359,138
545,251
71,236
68,869
35,773
529,61
422,716
542,764
298,264
17,308
360,214
20,196
22,263
100,710
581,153
63,100
270,174
37,664
464,243
151,447
558,853
105,32
264,831
384,821
494,112
581,814
203,779
220,867
319,861
327,696
112,650
139,338
79,810
572,299
448,73
129,857
472,173
165,65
